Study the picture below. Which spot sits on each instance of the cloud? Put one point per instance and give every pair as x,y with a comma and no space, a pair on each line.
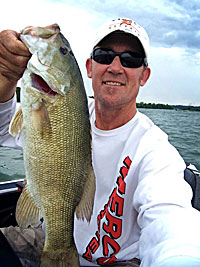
173,27
171,80
158,17
168,22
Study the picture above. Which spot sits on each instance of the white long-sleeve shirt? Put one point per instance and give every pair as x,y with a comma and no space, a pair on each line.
142,204
7,111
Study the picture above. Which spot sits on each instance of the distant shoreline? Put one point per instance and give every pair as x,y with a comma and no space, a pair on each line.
166,106
146,105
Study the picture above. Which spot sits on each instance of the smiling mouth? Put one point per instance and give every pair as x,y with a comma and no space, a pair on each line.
113,83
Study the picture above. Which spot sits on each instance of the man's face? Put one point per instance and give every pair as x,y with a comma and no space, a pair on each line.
113,84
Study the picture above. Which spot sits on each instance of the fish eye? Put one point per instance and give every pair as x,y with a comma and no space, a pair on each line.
64,50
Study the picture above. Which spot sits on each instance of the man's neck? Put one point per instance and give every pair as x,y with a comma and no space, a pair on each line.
111,118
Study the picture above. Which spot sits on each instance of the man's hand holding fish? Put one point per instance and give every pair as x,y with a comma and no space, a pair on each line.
14,56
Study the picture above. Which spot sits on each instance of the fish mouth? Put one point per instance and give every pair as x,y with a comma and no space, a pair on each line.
39,83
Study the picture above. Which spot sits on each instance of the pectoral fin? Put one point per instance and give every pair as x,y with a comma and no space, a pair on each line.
85,206
16,123
27,212
40,119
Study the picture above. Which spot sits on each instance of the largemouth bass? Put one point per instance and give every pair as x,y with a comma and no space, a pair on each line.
56,144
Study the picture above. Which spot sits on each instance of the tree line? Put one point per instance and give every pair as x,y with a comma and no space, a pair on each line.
153,105
146,105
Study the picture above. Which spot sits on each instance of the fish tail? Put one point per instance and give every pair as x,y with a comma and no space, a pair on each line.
60,258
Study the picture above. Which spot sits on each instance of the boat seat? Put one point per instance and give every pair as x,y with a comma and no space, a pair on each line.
194,181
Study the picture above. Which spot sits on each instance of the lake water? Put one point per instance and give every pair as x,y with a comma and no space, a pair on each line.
182,127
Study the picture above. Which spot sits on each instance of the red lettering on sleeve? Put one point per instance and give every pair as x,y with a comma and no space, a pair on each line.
98,222
124,172
101,215
121,185
127,162
92,247
106,261
107,241
116,203
114,226
87,255
98,237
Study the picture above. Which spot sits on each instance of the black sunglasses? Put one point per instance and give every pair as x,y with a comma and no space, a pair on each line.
128,59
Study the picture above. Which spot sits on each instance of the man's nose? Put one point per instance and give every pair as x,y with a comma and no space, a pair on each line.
115,66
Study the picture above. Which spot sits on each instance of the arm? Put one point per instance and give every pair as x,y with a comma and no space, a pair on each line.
13,60
169,225
7,111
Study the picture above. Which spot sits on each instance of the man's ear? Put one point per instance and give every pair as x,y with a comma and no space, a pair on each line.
145,76
88,65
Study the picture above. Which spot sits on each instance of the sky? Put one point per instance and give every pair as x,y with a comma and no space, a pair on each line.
173,27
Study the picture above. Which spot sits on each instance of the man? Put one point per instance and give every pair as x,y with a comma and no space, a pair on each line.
142,206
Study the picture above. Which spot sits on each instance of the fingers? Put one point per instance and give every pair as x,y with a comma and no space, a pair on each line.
10,39
14,55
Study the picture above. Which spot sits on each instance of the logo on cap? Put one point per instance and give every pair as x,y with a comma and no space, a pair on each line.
126,21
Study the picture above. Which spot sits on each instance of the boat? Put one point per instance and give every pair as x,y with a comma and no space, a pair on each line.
192,176
10,192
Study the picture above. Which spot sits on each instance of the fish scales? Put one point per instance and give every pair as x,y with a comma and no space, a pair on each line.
56,145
